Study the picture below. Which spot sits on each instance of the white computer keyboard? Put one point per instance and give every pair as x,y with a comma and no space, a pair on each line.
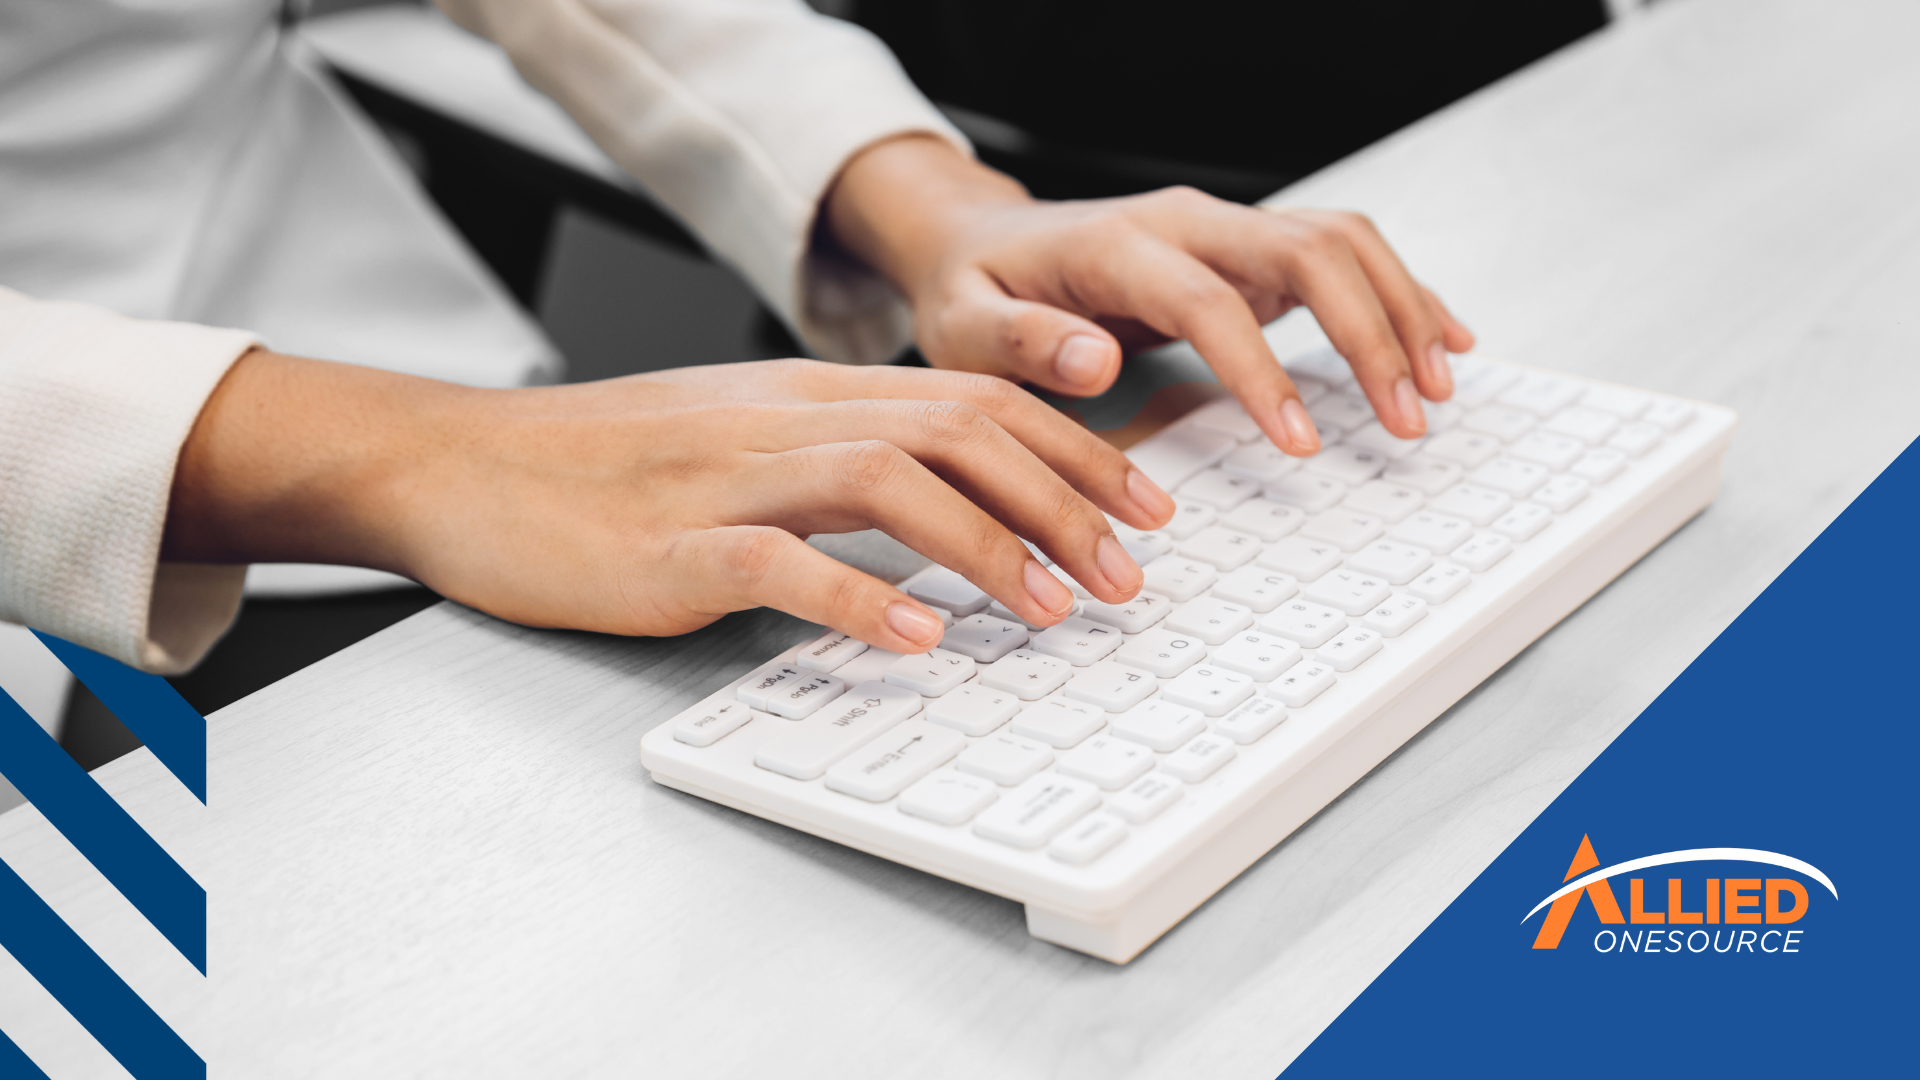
1300,620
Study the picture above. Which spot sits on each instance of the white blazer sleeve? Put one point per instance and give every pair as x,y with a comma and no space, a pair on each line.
737,114
94,409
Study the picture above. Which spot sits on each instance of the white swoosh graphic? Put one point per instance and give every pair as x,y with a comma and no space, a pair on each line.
1704,854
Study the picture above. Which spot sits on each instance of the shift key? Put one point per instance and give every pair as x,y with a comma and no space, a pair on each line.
808,748
884,767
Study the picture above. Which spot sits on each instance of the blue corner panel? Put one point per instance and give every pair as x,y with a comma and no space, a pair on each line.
150,707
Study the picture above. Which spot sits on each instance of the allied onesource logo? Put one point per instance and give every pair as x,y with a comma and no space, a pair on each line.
1726,915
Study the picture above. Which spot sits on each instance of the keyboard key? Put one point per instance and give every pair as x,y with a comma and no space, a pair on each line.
1260,657
1220,547
1481,552
766,679
1247,723
1348,464
807,749
941,586
1344,528
1551,449
1144,547
932,673
972,709
1374,437
1189,517
1670,415
1304,623
1477,504
949,797
1601,465
1145,798
1396,562
1562,493
1618,400
1542,395
1637,437
1302,683
1511,476
1131,617
1442,415
903,754
1265,519
1002,612
1521,522
1222,490
704,725
1225,414
1180,451
1036,811
1476,382
1114,687
1159,725
1500,421
1324,365
1199,759
1437,532
1349,591
1028,674
1162,652
1210,688
1338,412
1109,762
1587,424
1307,491
801,698
1438,585
1259,461
1349,649
1256,588
1058,722
1087,839
1384,499
1210,619
1004,759
829,651
1301,558
984,638
1463,447
1078,641
1394,617
1178,578
945,616
1426,474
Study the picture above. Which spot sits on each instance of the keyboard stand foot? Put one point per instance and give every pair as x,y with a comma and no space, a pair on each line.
1116,941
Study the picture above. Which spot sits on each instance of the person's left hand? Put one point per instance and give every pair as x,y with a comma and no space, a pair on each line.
1051,293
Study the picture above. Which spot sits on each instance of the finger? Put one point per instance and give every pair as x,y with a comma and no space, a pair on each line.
1135,274
1459,339
981,328
964,455
728,569
1406,303
1085,461
873,484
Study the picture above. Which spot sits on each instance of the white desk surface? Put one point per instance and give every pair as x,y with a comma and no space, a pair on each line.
436,853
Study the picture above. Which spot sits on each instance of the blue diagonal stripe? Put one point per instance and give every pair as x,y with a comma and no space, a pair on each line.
110,839
15,1062
87,988
150,707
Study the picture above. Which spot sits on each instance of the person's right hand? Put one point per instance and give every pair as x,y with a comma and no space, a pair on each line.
657,503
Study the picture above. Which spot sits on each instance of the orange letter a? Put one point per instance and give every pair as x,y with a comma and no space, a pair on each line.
1561,913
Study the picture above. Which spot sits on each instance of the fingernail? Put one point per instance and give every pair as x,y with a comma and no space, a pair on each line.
1439,370
1047,591
1407,400
1117,566
1148,496
1300,429
1081,360
913,624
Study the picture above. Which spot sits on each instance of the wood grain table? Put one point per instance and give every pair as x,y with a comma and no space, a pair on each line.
436,854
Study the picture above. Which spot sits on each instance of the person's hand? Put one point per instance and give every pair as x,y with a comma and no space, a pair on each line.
1050,292
657,503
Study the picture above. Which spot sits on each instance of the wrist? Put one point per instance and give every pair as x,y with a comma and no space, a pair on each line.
900,205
